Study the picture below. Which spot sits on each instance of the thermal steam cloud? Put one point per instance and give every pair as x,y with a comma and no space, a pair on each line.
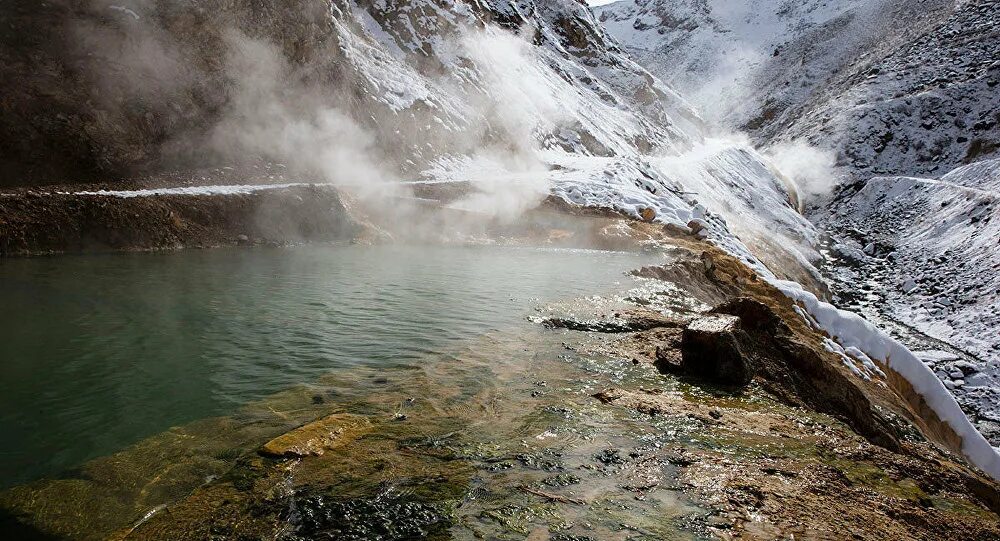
810,168
272,113
519,103
252,104
272,108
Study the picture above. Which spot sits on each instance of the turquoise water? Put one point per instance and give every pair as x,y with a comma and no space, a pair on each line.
98,352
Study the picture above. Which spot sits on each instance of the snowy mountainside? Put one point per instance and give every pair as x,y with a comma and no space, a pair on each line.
927,253
890,87
923,119
745,62
723,189
922,108
606,132
167,85
523,98
462,60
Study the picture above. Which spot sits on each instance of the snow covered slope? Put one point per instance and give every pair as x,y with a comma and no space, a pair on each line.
505,72
927,253
161,85
585,122
891,87
921,108
746,61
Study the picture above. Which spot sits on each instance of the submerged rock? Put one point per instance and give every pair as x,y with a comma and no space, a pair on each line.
386,516
621,322
317,437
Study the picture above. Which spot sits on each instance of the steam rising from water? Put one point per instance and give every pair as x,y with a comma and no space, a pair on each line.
299,114
273,113
519,103
272,106
810,168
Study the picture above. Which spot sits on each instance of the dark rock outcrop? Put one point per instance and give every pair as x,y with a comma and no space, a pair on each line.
34,223
712,348
744,340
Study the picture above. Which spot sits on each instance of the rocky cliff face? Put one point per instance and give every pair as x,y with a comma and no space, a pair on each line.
93,92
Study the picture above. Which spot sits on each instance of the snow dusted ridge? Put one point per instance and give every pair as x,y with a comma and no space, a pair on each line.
734,59
566,112
723,188
535,75
890,87
920,105
941,239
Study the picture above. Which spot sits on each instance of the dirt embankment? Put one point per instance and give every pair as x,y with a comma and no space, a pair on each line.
33,223
62,219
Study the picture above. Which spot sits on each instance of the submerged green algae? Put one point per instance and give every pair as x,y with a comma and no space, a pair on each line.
464,444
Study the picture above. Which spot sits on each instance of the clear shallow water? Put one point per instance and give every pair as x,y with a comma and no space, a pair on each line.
97,352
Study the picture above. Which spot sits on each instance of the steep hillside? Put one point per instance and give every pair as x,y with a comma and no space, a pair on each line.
892,87
93,91
923,107
746,62
522,99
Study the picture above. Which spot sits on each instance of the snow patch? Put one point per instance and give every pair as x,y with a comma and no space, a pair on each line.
234,189
853,333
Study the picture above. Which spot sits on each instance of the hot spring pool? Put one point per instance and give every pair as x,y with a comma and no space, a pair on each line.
98,352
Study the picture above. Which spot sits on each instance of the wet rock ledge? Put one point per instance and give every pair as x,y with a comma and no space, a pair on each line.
792,443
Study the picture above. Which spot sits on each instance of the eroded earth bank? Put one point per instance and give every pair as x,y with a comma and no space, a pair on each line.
690,400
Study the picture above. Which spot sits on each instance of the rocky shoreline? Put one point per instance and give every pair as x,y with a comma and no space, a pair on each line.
862,454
